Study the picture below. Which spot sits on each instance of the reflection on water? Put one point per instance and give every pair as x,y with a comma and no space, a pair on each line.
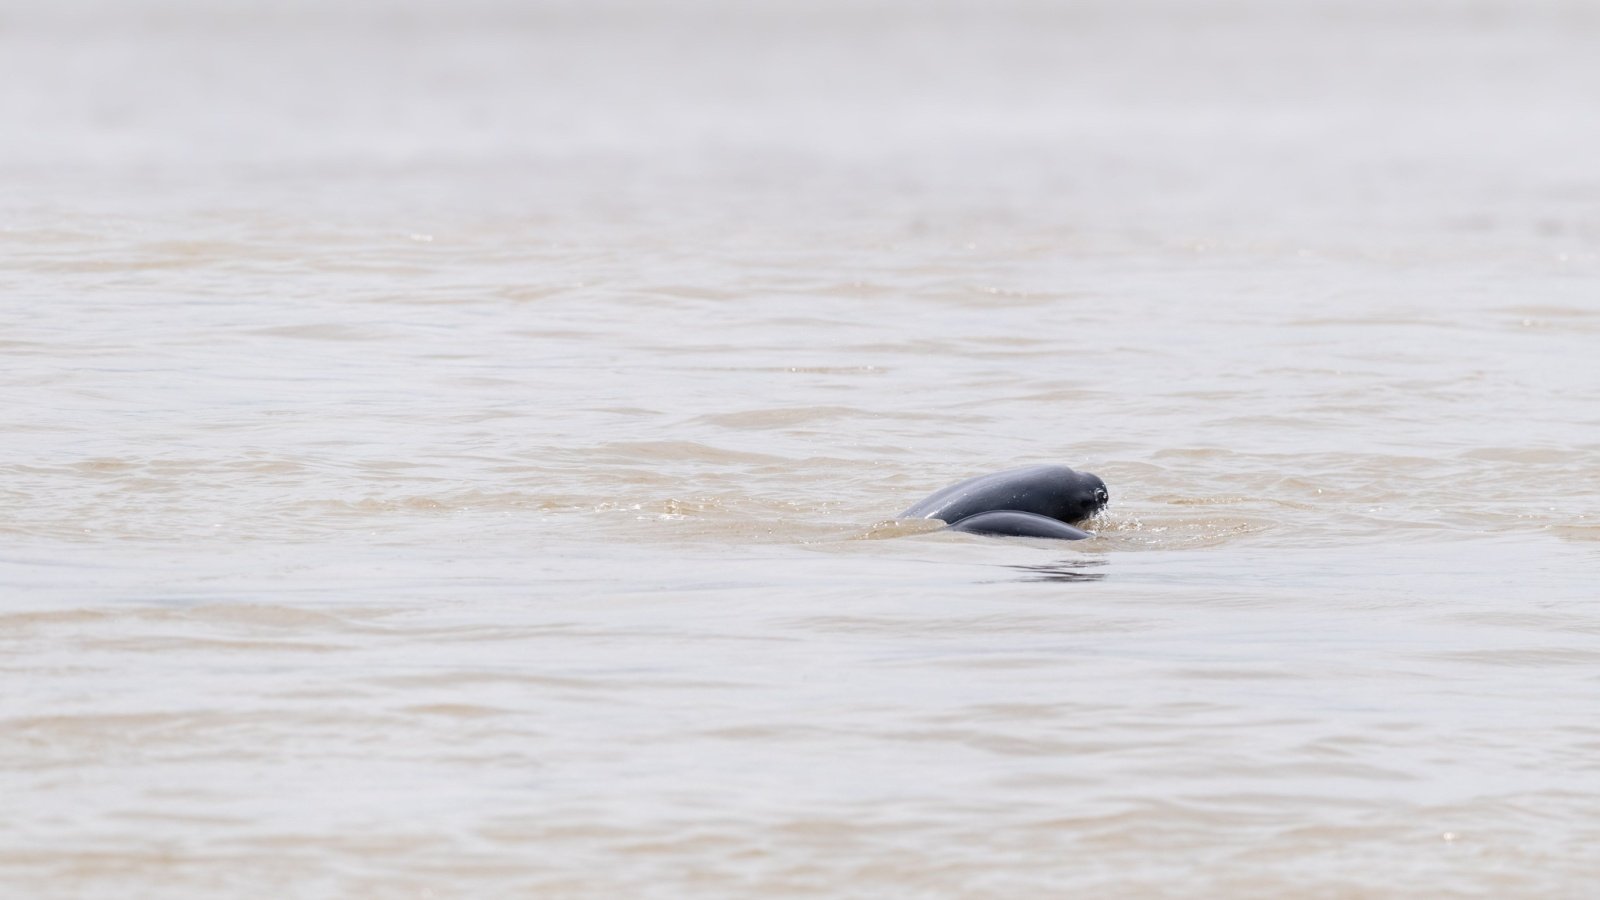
1067,570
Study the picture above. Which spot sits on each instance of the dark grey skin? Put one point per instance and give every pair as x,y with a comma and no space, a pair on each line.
1039,501
1010,523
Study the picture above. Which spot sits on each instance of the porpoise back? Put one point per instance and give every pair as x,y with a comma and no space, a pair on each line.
1011,523
1055,492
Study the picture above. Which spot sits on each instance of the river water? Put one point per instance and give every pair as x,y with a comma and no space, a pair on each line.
453,450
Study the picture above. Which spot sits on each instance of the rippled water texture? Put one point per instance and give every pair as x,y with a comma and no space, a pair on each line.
452,449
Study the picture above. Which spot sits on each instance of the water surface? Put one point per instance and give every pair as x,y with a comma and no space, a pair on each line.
453,451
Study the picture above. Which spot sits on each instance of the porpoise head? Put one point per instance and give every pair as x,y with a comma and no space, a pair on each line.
1088,496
